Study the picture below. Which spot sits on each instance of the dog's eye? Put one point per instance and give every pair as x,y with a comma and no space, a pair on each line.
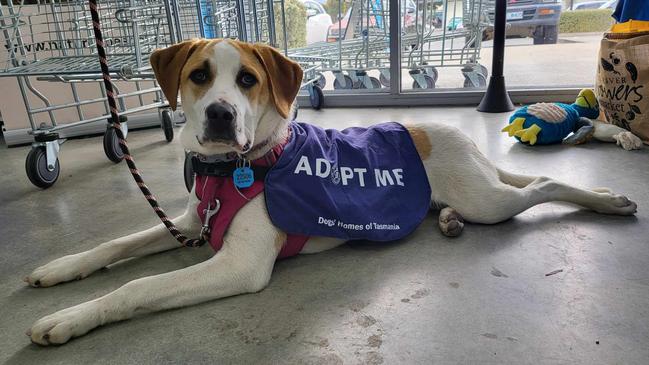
198,76
246,80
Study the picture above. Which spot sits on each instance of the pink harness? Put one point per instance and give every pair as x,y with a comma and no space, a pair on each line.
231,200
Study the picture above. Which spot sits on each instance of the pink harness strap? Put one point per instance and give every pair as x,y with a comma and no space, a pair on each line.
210,188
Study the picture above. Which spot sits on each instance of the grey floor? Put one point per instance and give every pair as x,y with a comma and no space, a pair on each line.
482,298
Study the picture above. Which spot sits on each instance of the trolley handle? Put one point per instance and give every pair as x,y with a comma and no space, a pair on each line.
209,19
122,16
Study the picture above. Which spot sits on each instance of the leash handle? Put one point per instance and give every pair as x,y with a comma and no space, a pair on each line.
114,115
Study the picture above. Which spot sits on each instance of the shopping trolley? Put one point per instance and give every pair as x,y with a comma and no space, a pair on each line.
52,41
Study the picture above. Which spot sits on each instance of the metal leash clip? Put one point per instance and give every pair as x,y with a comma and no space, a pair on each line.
209,213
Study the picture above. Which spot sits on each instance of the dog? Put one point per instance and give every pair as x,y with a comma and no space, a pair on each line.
238,98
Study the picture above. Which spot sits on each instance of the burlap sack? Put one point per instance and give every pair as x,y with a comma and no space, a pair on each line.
622,86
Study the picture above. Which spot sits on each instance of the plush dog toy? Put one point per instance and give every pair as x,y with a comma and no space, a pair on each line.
548,123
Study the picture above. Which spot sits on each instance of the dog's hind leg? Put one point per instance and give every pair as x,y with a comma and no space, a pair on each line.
516,180
80,265
521,181
243,265
462,178
451,222
601,200
503,201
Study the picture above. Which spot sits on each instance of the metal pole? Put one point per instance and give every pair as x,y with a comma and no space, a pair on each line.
271,24
395,46
496,98
284,27
241,11
173,26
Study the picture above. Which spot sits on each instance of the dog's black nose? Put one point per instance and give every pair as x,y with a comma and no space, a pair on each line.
220,112
220,121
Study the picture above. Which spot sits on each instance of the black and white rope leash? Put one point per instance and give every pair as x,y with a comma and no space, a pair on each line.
114,114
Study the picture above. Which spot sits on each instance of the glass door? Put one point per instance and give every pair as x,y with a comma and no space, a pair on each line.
426,52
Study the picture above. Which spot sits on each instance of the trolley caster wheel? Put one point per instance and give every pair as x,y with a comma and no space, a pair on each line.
432,72
112,149
482,81
188,172
167,125
37,170
413,47
348,83
385,81
316,97
320,80
376,84
430,83
484,71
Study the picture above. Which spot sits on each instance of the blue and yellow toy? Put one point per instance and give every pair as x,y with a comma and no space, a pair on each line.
548,123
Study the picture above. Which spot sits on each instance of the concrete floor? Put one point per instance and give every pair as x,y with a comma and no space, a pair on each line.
482,298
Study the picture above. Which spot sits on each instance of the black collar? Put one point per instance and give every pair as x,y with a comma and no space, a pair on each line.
225,168
224,165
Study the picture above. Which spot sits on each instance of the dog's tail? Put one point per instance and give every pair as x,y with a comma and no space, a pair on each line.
516,180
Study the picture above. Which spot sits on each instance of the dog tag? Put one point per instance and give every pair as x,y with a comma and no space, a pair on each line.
243,177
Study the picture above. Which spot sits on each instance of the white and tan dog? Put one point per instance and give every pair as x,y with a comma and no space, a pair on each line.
238,97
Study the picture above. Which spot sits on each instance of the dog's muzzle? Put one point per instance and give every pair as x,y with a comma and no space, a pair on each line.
220,122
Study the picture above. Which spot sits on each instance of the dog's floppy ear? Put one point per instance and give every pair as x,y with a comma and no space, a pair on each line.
167,64
284,77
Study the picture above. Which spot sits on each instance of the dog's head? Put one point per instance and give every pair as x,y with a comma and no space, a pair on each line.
235,95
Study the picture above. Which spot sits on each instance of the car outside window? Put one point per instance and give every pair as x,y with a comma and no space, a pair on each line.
314,8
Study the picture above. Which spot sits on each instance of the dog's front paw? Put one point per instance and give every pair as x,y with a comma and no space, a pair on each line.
60,327
67,268
628,141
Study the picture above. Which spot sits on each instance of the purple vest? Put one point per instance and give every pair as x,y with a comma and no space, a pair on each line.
358,183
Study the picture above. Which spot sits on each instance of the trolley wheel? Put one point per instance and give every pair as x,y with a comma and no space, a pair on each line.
430,82
111,146
316,97
188,172
37,171
484,71
320,80
376,84
348,83
384,80
482,81
434,74
167,125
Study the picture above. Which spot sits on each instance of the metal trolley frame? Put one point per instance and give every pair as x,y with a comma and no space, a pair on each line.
52,41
